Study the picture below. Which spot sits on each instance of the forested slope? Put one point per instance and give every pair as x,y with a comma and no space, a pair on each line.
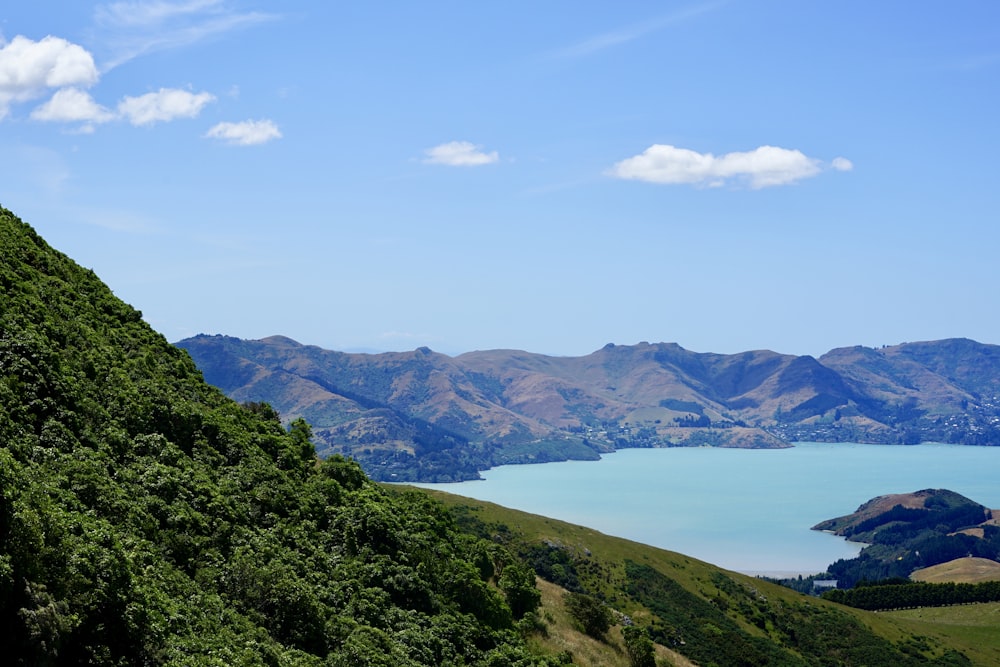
147,519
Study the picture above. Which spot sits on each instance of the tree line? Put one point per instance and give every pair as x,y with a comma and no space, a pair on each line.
904,594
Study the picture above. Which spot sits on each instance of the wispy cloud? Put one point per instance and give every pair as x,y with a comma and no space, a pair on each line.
115,220
41,173
763,167
132,29
140,14
628,34
246,133
405,340
400,335
460,154
975,63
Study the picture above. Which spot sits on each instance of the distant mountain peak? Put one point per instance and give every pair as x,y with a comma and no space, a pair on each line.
281,340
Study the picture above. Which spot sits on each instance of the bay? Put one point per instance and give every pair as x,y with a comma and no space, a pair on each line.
744,510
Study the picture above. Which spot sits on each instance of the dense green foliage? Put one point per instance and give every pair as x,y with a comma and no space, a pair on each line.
554,564
146,519
592,615
904,594
639,647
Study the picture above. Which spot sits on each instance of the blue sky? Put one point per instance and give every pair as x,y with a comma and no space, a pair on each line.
542,176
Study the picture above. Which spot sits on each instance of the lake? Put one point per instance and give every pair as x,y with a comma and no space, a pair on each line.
744,510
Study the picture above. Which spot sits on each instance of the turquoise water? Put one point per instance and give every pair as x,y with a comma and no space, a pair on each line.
744,510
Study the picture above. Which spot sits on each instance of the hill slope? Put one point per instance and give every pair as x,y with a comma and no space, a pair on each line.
147,519
968,570
426,416
702,614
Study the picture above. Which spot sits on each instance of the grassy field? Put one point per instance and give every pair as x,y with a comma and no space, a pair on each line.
973,628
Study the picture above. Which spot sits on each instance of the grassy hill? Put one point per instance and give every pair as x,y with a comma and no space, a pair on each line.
972,627
705,614
969,570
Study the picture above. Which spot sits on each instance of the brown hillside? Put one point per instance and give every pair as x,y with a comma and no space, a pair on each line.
875,507
961,570
449,417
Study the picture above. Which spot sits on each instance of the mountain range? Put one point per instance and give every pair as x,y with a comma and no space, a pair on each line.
427,416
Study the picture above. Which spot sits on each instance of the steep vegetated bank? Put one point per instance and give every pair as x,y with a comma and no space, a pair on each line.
147,519
424,416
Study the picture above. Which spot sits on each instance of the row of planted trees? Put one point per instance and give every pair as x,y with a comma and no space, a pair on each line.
906,594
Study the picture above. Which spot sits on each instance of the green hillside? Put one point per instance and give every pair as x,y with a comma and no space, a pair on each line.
709,616
146,519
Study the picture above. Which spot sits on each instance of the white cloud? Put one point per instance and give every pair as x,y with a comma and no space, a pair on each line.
459,154
760,168
247,133
28,68
70,105
33,69
842,164
164,105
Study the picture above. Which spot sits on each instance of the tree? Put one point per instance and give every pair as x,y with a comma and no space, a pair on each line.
592,614
301,452
518,583
639,647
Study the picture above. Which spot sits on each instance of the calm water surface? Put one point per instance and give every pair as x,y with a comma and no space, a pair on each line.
744,510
